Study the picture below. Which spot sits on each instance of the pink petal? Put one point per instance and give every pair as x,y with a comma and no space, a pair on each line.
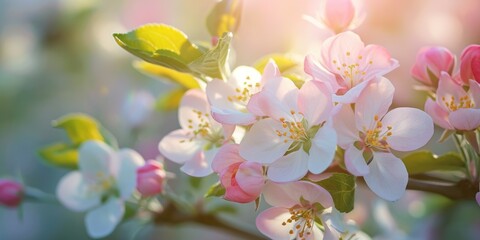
465,119
475,92
262,144
377,61
438,114
179,146
337,47
200,164
375,100
289,168
352,94
232,117
233,191
448,89
226,156
355,162
269,223
289,194
270,71
344,123
388,176
250,178
339,14
411,128
477,197
315,102
319,73
323,148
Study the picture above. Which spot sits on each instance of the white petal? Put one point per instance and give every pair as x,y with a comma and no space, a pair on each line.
465,119
375,100
352,94
289,194
218,92
411,128
233,117
333,223
201,164
74,193
102,221
126,171
324,145
179,146
94,159
244,75
344,123
262,144
289,168
355,162
194,109
388,176
269,222
315,102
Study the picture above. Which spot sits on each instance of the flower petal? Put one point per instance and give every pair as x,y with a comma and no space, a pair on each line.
323,148
289,194
378,60
102,221
465,119
232,117
289,168
262,144
475,92
333,223
126,171
319,73
438,114
352,94
179,146
201,164
218,92
411,128
344,123
94,157
375,100
315,102
355,162
271,70
334,50
447,90
74,193
250,177
226,156
194,110
388,176
269,222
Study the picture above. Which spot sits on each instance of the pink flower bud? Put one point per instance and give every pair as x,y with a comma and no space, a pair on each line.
150,178
243,181
470,64
11,193
430,62
340,15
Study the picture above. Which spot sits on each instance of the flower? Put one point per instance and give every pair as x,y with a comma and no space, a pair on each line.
151,178
339,15
430,62
243,181
197,142
470,64
455,108
347,65
105,179
11,193
297,137
296,206
370,133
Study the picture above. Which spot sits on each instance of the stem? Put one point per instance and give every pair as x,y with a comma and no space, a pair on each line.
463,189
173,216
466,159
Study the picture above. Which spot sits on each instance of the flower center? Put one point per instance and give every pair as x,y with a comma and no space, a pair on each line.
463,102
243,94
351,71
375,138
202,128
303,219
294,130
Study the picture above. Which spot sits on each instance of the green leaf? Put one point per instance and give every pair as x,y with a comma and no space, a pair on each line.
214,62
216,190
79,127
183,79
425,161
283,62
224,17
60,155
160,44
171,100
342,188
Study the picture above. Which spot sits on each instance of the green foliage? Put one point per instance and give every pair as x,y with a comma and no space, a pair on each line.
342,188
60,155
214,62
283,62
425,161
216,190
224,17
183,79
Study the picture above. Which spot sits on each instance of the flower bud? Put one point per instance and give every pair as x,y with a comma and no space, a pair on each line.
430,62
150,178
340,15
11,193
470,64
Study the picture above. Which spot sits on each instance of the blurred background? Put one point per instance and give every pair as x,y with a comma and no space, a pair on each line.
59,57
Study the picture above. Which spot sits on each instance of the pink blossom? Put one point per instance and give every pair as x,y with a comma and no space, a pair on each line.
243,181
339,15
370,132
229,99
430,62
197,142
296,206
347,65
297,137
11,193
470,64
455,108
151,178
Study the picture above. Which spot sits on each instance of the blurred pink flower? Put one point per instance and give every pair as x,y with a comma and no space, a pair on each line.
370,132
11,193
455,108
151,178
243,181
430,62
339,15
347,65
470,64
297,125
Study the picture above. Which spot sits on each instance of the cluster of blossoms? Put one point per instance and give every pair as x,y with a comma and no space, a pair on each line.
264,135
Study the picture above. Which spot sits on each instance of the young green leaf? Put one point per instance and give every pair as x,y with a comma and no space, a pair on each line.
60,155
224,17
214,62
79,127
216,190
342,188
183,79
283,62
425,161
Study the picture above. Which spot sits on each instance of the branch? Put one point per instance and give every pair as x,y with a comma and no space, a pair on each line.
463,189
